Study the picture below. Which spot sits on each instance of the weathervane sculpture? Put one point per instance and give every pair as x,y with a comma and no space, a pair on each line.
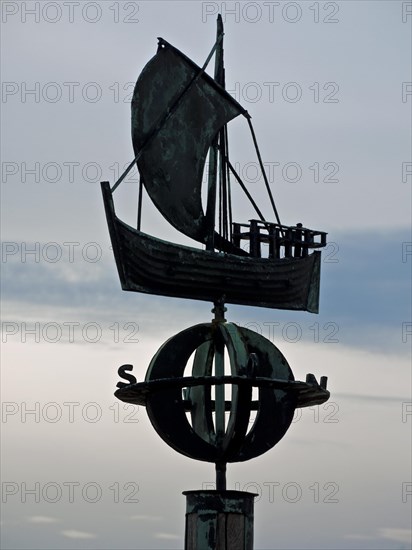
179,117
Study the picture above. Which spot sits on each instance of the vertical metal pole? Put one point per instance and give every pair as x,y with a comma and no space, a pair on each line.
211,195
212,179
220,476
220,427
229,191
139,204
219,393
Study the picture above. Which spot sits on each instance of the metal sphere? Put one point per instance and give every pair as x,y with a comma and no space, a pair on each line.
252,357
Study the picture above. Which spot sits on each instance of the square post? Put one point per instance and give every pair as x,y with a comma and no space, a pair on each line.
219,520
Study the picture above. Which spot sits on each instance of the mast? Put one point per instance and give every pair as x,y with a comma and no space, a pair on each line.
223,195
213,152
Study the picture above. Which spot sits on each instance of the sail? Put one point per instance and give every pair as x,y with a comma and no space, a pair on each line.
175,117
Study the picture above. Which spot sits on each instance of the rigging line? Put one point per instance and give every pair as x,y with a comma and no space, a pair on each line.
139,204
221,214
222,142
263,170
223,184
229,190
211,195
224,200
226,232
242,185
220,204
169,112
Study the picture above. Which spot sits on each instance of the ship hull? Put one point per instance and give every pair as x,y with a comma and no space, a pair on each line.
153,266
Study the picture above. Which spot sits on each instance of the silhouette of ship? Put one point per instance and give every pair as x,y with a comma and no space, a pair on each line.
179,121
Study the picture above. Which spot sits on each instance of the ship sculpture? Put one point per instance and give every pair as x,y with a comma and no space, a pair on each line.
180,115
199,406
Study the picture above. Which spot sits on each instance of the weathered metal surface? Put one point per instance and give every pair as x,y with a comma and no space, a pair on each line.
169,419
172,162
150,265
307,394
219,520
254,362
178,112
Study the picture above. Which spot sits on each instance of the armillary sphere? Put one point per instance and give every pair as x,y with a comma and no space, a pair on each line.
255,362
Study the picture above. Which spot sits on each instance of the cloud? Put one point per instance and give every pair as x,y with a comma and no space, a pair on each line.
370,276
73,534
404,536
168,536
365,291
399,535
379,397
358,537
143,517
42,519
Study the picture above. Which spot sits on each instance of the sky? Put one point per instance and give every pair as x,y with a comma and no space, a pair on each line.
328,86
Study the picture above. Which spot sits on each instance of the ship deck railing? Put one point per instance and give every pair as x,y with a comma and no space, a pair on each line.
283,241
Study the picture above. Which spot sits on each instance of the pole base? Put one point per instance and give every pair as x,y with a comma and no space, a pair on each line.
219,520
